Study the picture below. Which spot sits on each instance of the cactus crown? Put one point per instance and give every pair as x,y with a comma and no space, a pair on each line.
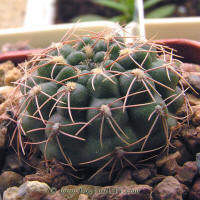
100,102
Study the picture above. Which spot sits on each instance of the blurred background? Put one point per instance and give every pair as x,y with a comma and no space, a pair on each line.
12,13
121,10
17,13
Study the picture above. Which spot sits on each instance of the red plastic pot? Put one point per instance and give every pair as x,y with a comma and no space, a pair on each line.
18,56
189,50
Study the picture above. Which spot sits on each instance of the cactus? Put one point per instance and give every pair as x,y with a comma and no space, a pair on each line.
100,102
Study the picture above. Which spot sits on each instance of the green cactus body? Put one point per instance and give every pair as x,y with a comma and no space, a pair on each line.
99,103
144,112
101,82
72,95
99,57
40,99
60,49
161,72
114,66
136,81
134,58
51,68
174,99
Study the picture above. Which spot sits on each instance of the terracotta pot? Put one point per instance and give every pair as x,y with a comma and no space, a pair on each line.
188,49
17,56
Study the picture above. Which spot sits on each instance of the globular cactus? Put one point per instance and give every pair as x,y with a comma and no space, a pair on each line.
100,102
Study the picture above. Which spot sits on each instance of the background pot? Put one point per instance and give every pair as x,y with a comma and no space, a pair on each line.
189,50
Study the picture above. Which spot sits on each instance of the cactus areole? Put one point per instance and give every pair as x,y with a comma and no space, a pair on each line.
100,102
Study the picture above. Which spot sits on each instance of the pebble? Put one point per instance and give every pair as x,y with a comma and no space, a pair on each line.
72,192
190,67
136,192
141,175
195,190
196,117
5,92
12,76
155,180
184,154
40,176
185,190
168,189
125,178
33,190
9,73
12,162
191,139
55,196
187,172
9,179
198,162
11,194
170,167
191,74
3,132
83,197
194,80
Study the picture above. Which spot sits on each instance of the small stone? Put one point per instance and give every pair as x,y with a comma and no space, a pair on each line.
56,196
8,102
198,162
125,178
9,73
41,176
190,67
191,75
194,101
194,80
83,197
187,172
136,192
3,131
184,154
33,190
191,137
196,118
170,167
5,92
155,180
9,179
72,192
12,76
4,68
195,190
12,162
141,175
185,190
57,169
11,194
163,160
168,189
